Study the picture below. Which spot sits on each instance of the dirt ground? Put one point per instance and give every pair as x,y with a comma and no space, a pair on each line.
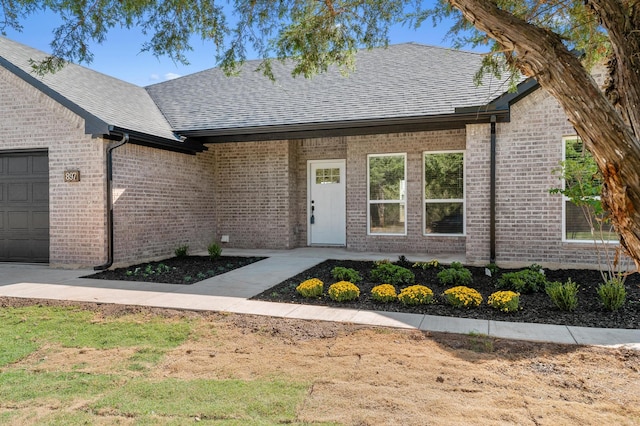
380,376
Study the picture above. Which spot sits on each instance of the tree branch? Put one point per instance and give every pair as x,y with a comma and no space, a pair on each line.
541,53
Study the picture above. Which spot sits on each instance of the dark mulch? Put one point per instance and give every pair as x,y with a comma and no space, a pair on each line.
536,308
177,270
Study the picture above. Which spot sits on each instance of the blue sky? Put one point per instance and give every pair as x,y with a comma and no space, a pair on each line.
119,56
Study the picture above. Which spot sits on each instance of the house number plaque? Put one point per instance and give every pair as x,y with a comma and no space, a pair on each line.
72,175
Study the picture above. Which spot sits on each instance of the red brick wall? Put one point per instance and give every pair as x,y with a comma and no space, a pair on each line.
253,193
162,200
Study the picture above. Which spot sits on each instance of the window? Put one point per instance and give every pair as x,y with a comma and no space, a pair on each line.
324,176
387,194
580,167
444,193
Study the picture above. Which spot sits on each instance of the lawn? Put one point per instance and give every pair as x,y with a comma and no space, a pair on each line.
41,385
71,364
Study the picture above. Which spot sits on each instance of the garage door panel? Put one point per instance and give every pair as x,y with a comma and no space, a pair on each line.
40,165
18,192
40,192
40,220
40,251
18,249
18,165
24,207
18,220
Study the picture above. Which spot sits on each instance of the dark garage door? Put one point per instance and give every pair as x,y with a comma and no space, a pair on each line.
24,207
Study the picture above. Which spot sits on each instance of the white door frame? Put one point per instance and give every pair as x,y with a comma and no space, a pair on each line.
310,182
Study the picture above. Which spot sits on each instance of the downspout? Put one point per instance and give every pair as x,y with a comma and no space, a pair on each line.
110,148
492,195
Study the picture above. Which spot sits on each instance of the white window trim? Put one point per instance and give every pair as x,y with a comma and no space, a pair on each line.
462,200
369,201
565,199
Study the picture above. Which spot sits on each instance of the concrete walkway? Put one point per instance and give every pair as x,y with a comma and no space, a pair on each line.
230,292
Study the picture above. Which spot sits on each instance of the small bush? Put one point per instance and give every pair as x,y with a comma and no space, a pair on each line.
456,274
341,273
612,294
525,281
392,274
492,268
403,261
563,295
310,288
182,251
427,265
343,291
416,295
215,251
462,297
505,301
384,293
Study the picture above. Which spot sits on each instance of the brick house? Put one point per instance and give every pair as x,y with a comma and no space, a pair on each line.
397,157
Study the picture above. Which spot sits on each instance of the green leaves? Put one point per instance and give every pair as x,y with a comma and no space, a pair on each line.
582,179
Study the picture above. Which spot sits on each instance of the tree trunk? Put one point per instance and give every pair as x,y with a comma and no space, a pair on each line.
608,129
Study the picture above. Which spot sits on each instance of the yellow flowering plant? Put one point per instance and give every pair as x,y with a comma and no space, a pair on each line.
505,301
310,288
384,293
462,297
416,295
427,265
343,291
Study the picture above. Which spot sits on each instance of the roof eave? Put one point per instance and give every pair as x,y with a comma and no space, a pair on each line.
457,120
524,88
144,139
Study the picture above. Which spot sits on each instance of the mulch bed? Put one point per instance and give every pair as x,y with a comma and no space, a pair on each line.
177,270
536,307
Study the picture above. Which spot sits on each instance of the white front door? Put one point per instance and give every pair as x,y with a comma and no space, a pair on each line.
326,206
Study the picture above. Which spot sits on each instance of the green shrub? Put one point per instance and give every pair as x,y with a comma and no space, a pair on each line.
416,295
403,261
505,301
392,274
343,291
427,265
456,274
462,297
215,251
384,293
310,288
341,273
525,281
492,268
612,294
563,295
182,251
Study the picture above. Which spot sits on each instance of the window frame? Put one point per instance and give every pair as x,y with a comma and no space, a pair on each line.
462,200
566,200
400,202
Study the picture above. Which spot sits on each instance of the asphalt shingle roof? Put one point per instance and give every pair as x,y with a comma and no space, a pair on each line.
405,80
401,81
113,101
